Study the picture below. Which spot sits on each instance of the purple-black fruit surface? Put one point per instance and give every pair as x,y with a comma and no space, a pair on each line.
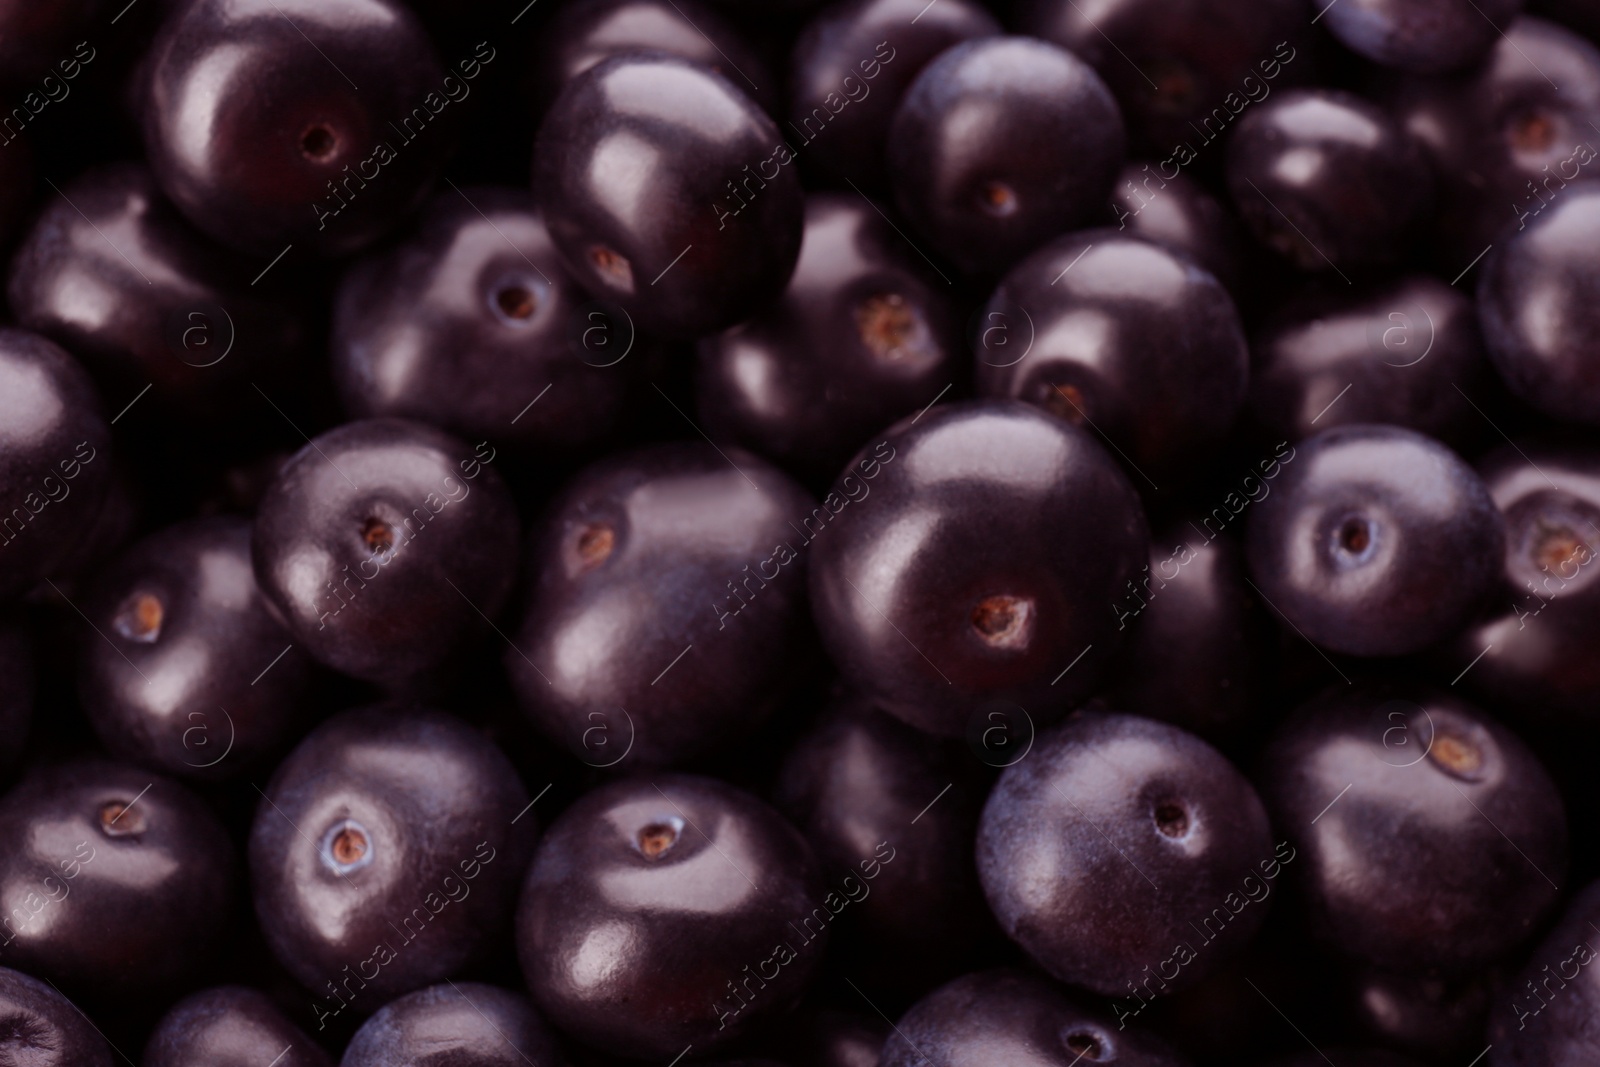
318,123
864,334
1000,144
384,544
1181,71
851,65
125,881
1447,843
54,465
1505,136
711,237
1328,180
185,670
230,1026
1177,211
1163,370
1122,846
1406,352
842,1039
1539,302
44,1028
471,319
668,605
667,911
1437,1016
461,1022
1419,36
1538,648
385,841
585,32
162,307
1346,1057
1544,1017
967,562
1014,1018
1377,541
891,814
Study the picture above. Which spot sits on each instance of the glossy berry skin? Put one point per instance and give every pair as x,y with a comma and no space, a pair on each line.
852,64
863,334
1401,352
1161,375
230,1026
353,504
667,607
711,238
1014,1018
1377,542
112,900
1178,212
671,910
54,465
1100,849
1418,36
1502,137
1541,628
181,672
1194,653
462,1022
1545,1015
856,784
1536,299
1449,844
44,1028
162,307
1327,179
982,569
470,319
581,34
1042,161
384,857
1173,64
263,141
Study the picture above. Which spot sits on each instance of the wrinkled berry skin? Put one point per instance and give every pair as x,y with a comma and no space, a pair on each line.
1407,350
1178,212
711,238
1538,636
861,784
584,33
175,674
667,605
230,1026
336,546
1378,541
1163,373
139,895
1504,136
1171,64
267,122
1449,844
851,65
1544,1017
1419,36
1014,1018
54,465
671,910
996,538
462,1022
470,320
1121,846
1327,179
44,1028
864,334
1537,299
1040,161
386,842
162,307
